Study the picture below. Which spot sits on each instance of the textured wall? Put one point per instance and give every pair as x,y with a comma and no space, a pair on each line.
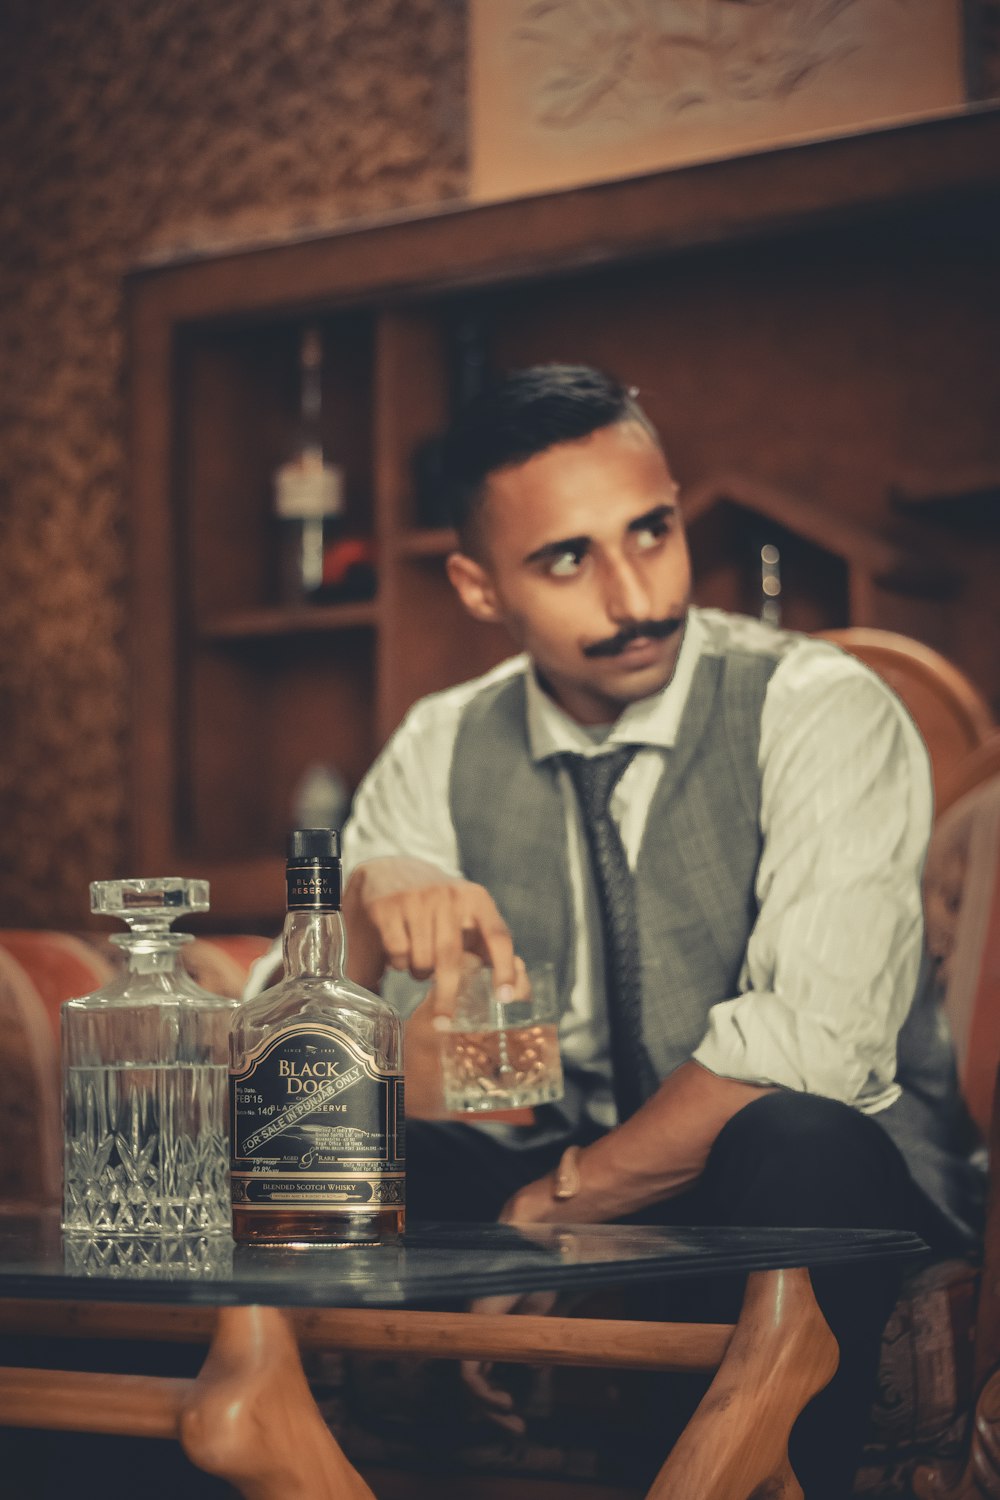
131,128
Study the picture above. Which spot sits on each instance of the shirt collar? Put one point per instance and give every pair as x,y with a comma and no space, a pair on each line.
649,721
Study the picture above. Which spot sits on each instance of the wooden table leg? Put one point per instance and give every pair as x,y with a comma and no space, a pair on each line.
250,1418
736,1444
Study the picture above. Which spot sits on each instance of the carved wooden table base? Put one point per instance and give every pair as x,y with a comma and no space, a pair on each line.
250,1418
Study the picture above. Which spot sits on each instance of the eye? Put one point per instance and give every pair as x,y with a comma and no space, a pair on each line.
651,534
566,565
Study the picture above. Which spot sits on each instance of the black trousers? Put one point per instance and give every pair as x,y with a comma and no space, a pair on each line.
786,1159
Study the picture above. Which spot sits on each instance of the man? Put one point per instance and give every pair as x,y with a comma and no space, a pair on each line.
729,1042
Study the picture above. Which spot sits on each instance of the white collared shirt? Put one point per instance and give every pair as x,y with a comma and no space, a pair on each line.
845,814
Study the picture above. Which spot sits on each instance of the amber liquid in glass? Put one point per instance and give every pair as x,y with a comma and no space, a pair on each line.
504,1069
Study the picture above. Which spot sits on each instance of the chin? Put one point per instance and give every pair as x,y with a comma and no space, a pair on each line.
643,681
635,693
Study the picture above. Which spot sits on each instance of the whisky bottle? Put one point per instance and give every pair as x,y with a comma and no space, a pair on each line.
308,488
316,1082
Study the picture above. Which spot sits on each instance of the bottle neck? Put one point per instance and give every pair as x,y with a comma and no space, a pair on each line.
314,942
152,952
311,397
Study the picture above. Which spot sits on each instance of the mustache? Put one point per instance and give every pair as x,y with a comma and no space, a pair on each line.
647,630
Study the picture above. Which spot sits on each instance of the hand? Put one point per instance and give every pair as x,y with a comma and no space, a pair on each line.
498,1404
536,1203
427,923
532,1204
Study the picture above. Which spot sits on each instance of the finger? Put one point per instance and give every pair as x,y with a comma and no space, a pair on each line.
503,1302
491,938
498,1403
476,1377
449,960
509,1421
394,936
419,914
515,1302
522,983
539,1303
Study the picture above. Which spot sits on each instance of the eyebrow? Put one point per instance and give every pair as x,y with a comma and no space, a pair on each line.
552,550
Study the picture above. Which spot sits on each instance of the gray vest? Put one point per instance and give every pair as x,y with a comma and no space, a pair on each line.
695,887
698,859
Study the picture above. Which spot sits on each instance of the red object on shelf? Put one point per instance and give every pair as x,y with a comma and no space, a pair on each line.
348,570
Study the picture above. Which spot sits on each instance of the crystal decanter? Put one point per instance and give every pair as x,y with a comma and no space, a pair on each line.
145,1080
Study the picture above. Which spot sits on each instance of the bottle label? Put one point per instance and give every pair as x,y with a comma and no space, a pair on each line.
307,487
315,1123
314,886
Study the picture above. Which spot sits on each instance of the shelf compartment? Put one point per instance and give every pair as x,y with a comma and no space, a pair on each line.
238,394
310,619
255,721
445,646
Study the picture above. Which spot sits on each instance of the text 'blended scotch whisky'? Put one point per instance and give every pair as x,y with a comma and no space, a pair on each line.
316,1082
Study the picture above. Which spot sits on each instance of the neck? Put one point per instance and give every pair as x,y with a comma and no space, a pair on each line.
590,711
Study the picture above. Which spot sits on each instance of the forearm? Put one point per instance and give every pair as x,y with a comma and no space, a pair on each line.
656,1154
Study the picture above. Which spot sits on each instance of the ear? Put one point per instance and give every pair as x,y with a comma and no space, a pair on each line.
474,587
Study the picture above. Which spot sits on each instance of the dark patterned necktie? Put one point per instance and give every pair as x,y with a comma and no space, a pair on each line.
594,779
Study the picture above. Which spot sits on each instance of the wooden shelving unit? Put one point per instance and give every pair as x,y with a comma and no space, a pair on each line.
235,695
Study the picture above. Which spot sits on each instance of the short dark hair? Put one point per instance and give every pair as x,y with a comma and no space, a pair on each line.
521,415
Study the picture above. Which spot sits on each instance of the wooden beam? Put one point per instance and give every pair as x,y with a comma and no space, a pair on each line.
610,1342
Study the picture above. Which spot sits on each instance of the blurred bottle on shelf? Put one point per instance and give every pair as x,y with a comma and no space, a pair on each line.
308,488
468,373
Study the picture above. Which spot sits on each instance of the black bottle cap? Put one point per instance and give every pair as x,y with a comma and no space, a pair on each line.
314,843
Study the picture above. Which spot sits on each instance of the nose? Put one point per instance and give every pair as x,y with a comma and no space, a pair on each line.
626,594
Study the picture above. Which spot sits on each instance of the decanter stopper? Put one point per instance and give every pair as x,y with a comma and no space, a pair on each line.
149,905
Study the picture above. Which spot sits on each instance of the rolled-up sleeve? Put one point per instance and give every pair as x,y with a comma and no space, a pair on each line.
832,960
401,807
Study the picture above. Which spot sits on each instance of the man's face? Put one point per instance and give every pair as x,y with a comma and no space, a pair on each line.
585,563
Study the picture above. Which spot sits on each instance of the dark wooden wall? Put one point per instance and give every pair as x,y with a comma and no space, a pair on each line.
134,129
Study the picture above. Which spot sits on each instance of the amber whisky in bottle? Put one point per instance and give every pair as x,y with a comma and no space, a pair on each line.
316,1083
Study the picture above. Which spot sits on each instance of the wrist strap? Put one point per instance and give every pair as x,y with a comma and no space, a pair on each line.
567,1183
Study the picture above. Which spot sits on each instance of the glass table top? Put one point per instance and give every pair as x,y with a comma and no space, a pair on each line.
436,1263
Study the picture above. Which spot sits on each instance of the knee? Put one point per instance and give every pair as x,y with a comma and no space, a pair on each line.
807,1155
792,1124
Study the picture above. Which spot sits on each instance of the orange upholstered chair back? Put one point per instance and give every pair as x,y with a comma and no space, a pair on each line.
962,907
952,715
